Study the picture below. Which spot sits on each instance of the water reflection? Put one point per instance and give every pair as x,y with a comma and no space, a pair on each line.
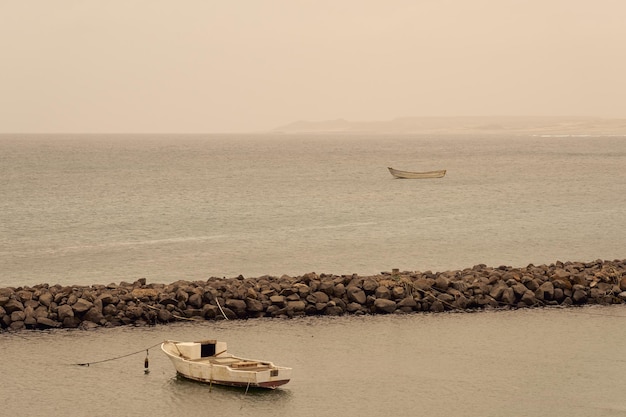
193,395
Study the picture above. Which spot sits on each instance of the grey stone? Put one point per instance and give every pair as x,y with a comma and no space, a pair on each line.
45,323
579,296
296,305
355,294
278,300
442,283
383,305
13,305
321,297
370,285
64,311
382,292
46,299
545,291
254,305
81,305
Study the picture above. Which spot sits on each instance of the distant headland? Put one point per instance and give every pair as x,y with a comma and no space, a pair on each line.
516,125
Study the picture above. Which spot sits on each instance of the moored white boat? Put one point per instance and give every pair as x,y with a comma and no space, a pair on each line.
416,175
208,361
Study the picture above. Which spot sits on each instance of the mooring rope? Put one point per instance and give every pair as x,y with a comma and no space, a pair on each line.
218,304
118,357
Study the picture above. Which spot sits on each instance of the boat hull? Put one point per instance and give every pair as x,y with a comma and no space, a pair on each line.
416,175
225,369
267,384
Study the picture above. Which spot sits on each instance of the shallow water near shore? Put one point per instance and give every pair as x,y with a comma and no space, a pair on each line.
540,362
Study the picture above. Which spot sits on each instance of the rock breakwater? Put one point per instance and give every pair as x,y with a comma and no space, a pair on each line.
480,287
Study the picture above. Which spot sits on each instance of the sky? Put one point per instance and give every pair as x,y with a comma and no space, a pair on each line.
205,66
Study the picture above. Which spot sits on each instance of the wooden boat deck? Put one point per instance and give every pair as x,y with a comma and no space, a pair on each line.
236,363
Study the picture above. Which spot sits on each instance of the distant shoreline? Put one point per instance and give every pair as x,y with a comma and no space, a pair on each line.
583,126
462,125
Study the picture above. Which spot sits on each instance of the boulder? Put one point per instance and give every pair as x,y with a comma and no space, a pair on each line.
24,295
382,292
296,305
533,284
519,289
105,298
46,323
356,295
109,310
41,311
407,302
383,305
370,285
528,298
94,315
164,315
437,307
320,297
355,307
461,302
46,298
238,306
333,310
182,295
253,305
327,286
88,325
81,306
18,316
442,283
340,290
508,296
195,300
64,311
497,290
210,311
134,312
459,285
579,296
423,283
303,289
71,322
17,325
398,292
230,314
6,293
278,300
144,294
13,305
545,291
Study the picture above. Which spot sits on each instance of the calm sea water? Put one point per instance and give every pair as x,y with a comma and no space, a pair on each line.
489,364
100,209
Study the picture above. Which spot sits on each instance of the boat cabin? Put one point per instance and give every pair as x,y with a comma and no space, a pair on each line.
201,349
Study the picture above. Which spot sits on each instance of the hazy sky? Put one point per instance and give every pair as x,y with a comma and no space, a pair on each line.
250,65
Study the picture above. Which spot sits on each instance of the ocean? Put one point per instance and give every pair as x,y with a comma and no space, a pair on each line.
99,209
81,209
